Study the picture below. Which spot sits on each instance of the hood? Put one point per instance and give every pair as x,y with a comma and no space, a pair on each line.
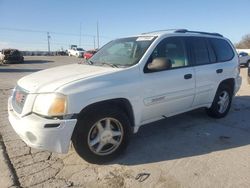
51,79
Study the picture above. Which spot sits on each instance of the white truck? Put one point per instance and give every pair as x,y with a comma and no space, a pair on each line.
128,83
75,51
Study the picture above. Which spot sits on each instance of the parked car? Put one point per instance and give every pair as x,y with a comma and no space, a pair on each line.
248,73
61,53
129,82
88,54
244,59
11,56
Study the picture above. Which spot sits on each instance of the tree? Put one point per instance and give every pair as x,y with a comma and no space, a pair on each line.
244,42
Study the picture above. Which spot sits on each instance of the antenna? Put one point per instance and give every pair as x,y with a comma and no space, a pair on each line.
80,41
97,34
94,41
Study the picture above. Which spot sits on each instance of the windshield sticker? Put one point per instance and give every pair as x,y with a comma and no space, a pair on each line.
144,38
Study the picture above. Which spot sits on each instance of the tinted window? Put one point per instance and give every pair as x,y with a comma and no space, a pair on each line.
222,49
211,53
173,49
243,54
200,51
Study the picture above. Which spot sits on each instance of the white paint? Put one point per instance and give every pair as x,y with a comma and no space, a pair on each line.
151,95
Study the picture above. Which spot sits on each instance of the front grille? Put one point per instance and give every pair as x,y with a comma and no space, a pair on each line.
18,99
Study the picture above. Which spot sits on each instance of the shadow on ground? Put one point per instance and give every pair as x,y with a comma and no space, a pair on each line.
18,70
189,134
36,61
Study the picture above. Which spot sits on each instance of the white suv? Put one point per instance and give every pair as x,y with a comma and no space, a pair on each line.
77,52
128,83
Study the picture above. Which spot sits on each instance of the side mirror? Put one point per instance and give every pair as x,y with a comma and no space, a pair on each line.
159,64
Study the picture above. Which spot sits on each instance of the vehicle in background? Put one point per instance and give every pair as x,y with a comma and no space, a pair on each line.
248,74
244,59
75,51
61,53
88,54
11,56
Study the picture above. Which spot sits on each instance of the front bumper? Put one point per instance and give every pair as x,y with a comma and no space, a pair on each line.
32,131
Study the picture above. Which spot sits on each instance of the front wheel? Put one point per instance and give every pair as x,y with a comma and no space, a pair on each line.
101,136
222,102
248,63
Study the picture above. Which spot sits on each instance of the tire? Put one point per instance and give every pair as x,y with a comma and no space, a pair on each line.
101,134
22,60
248,63
222,102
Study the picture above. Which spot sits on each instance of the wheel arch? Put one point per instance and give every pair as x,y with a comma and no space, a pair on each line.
228,82
122,103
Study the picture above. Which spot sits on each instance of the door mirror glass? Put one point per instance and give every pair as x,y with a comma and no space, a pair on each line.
159,64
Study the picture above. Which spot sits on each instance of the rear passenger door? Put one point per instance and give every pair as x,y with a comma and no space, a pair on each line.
209,65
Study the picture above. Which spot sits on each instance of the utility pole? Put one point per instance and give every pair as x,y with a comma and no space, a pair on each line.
80,42
94,41
97,34
48,36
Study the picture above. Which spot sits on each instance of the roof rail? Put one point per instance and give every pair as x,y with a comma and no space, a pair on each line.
198,32
172,30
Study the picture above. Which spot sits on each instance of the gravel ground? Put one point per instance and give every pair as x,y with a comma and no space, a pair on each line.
188,150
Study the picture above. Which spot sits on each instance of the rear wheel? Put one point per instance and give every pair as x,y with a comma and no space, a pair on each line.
101,135
222,102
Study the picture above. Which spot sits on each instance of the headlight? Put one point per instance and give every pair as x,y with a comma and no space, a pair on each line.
51,104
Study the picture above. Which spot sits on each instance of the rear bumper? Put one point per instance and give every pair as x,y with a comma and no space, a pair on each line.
32,131
238,82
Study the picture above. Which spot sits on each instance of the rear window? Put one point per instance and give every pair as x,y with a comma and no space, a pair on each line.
200,51
222,49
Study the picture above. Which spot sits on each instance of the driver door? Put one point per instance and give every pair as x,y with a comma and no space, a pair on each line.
170,91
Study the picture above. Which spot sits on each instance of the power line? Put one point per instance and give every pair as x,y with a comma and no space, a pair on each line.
48,42
91,38
22,30
52,32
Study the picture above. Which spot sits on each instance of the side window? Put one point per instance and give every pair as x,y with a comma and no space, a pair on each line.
211,53
222,49
172,49
242,54
200,51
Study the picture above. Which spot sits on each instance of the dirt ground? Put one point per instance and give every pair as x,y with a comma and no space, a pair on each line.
188,150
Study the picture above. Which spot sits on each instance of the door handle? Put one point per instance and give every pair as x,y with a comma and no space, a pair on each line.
188,76
219,71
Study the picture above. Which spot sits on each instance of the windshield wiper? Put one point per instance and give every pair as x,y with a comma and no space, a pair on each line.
110,64
90,62
86,61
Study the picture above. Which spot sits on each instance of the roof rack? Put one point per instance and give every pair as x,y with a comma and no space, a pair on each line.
157,31
198,32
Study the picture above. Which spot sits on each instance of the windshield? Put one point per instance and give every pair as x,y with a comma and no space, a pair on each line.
79,49
122,52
